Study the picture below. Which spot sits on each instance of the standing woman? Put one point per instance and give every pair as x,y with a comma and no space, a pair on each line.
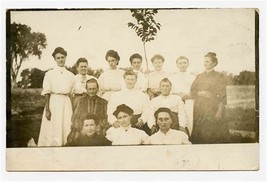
57,86
156,76
209,91
112,79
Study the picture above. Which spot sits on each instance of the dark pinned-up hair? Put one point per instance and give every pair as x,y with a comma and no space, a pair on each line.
163,109
123,108
157,56
213,57
112,53
129,72
88,116
81,60
136,55
59,50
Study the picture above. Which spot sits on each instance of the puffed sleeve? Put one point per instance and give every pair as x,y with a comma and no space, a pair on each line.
181,113
110,134
111,107
185,139
46,85
145,138
100,81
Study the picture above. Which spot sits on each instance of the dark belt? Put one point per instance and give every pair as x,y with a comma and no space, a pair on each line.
79,94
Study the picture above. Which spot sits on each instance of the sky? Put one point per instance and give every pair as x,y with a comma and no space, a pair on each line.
184,32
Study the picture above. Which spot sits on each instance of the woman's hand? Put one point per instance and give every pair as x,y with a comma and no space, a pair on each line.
140,123
154,129
48,114
204,94
116,124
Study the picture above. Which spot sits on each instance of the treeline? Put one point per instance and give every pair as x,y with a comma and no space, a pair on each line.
33,78
244,78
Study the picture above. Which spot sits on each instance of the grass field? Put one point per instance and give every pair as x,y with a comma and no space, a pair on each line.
27,107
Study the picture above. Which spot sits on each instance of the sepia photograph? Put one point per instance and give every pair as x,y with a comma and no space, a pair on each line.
112,89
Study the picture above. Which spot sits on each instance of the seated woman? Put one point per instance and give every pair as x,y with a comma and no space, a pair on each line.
87,133
125,134
166,135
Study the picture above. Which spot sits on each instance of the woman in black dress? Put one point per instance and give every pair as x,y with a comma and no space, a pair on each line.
209,91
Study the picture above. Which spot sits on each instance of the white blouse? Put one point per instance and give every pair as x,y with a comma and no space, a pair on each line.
173,102
58,81
142,81
133,98
110,81
80,84
154,79
127,136
171,137
181,82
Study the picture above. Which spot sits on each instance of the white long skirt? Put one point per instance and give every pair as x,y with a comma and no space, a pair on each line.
189,107
55,131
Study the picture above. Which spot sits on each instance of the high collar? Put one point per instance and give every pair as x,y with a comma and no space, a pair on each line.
60,69
182,72
209,71
129,90
161,71
126,128
82,75
113,69
164,133
163,96
136,71
92,98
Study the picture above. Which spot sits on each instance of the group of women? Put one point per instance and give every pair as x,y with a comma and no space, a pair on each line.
208,91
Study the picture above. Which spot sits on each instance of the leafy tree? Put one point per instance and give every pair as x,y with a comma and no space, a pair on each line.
25,82
245,78
22,44
31,78
146,27
36,78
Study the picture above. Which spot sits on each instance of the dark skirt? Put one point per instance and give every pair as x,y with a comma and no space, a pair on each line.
208,130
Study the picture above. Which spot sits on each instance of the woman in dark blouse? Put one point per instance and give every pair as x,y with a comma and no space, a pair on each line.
87,135
209,91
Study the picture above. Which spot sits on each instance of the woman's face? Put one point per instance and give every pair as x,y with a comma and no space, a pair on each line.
157,63
130,81
208,63
89,127
60,59
136,63
112,62
164,121
124,119
82,68
91,89
182,65
165,88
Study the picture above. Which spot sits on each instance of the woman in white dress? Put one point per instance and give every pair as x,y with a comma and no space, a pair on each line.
112,79
57,86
